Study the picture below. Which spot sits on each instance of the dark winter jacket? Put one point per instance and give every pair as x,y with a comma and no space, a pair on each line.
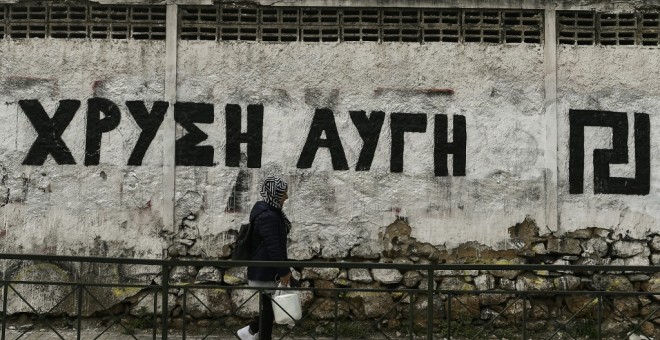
269,239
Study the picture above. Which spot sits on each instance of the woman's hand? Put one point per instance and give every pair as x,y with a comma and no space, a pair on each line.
285,280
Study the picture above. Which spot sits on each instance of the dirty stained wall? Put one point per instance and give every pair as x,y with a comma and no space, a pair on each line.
107,204
105,210
336,209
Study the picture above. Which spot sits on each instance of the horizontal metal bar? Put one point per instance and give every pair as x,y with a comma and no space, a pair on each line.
341,265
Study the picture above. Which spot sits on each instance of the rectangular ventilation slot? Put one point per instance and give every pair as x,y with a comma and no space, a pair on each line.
446,17
440,35
482,18
609,20
400,17
277,34
576,28
239,15
279,16
651,20
360,16
650,29
198,15
68,13
360,34
148,13
522,27
68,30
109,31
27,13
401,35
482,26
19,31
650,39
148,32
198,33
238,33
324,34
617,38
320,16
109,13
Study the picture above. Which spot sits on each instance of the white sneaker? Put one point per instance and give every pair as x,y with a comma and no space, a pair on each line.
244,334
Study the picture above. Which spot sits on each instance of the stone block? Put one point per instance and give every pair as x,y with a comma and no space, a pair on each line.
245,302
465,307
611,283
320,273
655,259
361,275
627,306
324,309
594,247
488,299
567,282
206,303
209,275
629,248
235,276
564,246
485,282
386,276
371,249
411,278
424,285
655,243
455,283
530,282
321,285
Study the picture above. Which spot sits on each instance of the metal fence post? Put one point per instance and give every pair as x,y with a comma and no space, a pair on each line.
183,315
79,294
429,310
5,290
449,316
410,317
154,321
166,288
600,316
336,312
524,316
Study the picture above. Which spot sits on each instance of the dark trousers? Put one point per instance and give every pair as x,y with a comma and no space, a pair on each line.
264,322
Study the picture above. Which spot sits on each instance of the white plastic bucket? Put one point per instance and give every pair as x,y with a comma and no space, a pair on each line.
286,307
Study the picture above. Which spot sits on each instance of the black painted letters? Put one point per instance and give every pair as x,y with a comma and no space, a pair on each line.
149,123
457,147
603,183
401,123
49,131
96,126
369,129
324,120
253,137
187,151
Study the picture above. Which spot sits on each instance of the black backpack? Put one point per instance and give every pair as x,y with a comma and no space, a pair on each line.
243,246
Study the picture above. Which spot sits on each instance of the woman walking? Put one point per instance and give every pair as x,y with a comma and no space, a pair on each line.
269,239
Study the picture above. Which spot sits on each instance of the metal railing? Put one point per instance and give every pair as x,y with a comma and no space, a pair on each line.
424,311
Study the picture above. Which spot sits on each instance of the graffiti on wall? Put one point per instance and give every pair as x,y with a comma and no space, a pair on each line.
602,158
103,116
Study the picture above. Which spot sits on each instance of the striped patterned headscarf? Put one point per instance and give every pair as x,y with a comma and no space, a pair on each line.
272,191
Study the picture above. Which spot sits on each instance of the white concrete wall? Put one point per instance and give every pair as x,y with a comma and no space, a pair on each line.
499,90
110,209
620,79
503,91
